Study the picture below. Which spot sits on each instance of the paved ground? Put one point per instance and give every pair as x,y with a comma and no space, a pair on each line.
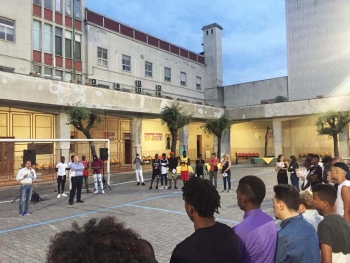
157,215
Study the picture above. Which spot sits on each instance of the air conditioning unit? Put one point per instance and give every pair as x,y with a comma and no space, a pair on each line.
158,93
158,88
94,82
138,90
116,86
138,83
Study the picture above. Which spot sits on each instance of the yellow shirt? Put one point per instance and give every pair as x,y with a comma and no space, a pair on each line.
184,166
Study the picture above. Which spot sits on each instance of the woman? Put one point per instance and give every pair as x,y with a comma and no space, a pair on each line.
226,166
306,184
281,169
293,166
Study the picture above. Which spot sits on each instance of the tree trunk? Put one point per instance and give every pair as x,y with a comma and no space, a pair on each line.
219,148
266,140
173,141
87,134
335,144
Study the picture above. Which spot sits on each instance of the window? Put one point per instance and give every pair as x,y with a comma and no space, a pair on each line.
77,55
68,44
58,41
198,83
48,4
126,63
37,69
48,73
36,35
79,79
102,56
47,38
212,31
77,9
37,2
207,32
58,6
167,74
58,74
148,69
7,29
69,7
183,78
67,76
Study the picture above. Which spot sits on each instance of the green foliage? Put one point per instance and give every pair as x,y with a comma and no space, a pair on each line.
217,126
77,113
175,117
332,123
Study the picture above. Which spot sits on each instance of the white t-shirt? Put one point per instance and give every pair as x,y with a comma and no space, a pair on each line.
61,168
340,202
164,164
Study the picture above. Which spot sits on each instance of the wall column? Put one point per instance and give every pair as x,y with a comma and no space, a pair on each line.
183,136
136,136
277,136
226,143
344,143
62,132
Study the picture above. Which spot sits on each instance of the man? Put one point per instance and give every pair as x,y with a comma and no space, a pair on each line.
155,170
163,172
25,176
315,174
338,172
307,210
184,162
70,172
257,233
212,241
61,169
297,240
138,169
213,171
333,231
96,166
86,164
76,169
200,166
173,161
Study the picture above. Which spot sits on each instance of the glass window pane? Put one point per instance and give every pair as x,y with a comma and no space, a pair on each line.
2,32
47,72
67,76
37,69
6,22
58,74
58,31
77,51
37,2
68,34
58,45
36,35
36,25
68,48
59,6
77,11
69,7
47,38
10,34
77,38
48,4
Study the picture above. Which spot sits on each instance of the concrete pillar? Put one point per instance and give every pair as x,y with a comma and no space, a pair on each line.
62,132
183,136
136,136
226,143
277,136
344,143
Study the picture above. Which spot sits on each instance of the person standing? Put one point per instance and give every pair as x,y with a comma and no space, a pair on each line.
293,167
173,161
96,166
333,231
61,170
70,172
163,171
86,164
76,169
315,174
297,240
138,169
306,185
257,233
226,172
25,176
200,166
213,171
184,162
281,169
211,241
155,170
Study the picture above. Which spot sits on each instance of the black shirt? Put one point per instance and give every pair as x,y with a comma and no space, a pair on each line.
156,167
199,166
217,243
172,163
315,175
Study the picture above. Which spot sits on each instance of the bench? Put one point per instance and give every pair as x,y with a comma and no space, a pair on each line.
246,156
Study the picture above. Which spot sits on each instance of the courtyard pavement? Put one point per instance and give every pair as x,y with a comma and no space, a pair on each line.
157,215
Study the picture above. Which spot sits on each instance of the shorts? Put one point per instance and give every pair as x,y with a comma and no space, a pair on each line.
172,175
85,178
155,175
184,175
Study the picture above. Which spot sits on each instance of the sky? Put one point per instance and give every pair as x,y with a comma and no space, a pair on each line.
253,36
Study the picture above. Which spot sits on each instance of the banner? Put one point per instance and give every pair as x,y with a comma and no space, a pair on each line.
153,136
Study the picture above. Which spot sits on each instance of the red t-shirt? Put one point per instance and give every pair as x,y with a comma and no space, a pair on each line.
96,166
85,163
213,163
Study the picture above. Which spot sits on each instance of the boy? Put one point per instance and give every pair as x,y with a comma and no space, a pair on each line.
155,170
163,171
61,169
138,169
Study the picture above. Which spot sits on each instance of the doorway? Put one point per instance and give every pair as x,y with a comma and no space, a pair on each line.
127,148
199,145
6,160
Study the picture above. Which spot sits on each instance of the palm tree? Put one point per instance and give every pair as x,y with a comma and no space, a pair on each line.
217,126
175,118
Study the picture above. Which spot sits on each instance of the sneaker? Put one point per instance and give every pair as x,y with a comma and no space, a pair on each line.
80,201
229,191
169,187
143,183
103,191
175,187
156,186
63,194
138,183
88,191
58,196
150,187
223,190
162,187
96,192
166,187
29,213
22,214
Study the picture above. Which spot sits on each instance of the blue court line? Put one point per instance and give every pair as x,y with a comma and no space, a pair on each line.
177,212
82,214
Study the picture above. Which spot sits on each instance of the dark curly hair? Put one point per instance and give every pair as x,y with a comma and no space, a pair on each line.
202,195
104,241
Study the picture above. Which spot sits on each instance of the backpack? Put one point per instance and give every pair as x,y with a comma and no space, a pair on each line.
35,198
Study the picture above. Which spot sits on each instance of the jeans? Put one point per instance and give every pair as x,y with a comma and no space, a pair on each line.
77,183
61,181
139,176
214,175
26,195
165,176
295,181
228,179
